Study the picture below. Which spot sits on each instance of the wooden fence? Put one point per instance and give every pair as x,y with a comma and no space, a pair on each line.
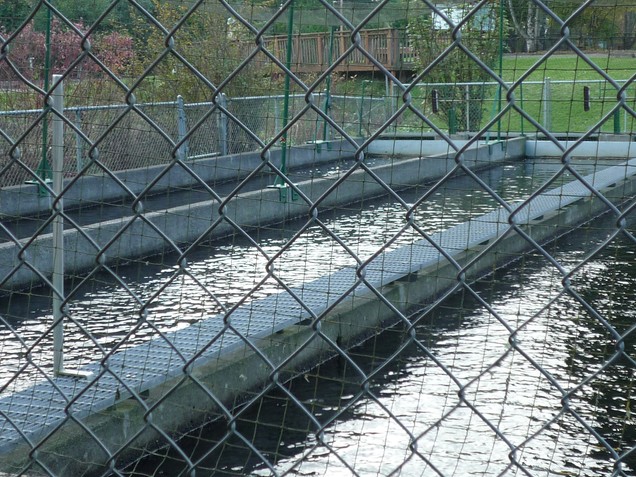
310,51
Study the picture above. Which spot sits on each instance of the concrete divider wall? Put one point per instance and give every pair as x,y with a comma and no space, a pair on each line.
605,146
23,200
141,235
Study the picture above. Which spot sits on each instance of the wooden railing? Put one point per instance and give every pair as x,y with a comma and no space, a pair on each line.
310,51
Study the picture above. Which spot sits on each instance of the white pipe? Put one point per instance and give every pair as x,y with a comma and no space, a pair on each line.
57,166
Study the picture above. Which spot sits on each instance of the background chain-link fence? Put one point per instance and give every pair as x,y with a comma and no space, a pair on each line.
134,143
317,238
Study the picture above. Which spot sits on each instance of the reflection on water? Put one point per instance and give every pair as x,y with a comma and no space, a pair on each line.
413,422
412,415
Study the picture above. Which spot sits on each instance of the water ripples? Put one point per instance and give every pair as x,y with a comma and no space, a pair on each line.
415,404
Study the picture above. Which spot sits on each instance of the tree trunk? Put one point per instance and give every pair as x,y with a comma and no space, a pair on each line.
528,26
532,28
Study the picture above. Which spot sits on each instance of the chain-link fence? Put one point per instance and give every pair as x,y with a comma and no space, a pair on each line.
215,261
469,107
134,143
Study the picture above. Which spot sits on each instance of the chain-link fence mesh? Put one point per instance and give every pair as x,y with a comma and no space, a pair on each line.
317,238
133,143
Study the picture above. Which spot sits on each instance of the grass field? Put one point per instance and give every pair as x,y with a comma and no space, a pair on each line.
567,75
567,67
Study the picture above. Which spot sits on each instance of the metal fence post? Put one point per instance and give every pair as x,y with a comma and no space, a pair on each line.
467,96
387,101
361,108
327,105
276,115
57,158
57,279
452,121
182,151
79,144
223,125
617,121
547,104
44,168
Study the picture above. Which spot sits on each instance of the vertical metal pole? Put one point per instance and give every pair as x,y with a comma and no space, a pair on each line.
393,102
44,168
617,121
223,126
182,152
276,114
452,121
521,104
288,61
467,94
499,89
79,144
360,109
387,97
586,98
547,104
57,157
328,81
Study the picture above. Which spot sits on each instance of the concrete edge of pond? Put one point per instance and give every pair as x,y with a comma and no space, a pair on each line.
184,400
24,200
157,232
604,146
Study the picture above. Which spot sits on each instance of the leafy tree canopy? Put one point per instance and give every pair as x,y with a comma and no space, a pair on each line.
13,13
430,39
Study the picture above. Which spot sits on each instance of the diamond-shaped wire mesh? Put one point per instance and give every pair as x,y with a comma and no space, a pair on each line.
317,238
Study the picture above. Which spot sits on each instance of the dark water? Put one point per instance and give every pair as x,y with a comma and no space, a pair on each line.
410,398
413,398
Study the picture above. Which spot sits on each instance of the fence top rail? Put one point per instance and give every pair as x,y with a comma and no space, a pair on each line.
510,83
105,107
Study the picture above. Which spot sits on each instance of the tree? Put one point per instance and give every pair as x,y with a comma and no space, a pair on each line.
208,40
88,13
430,36
13,13
603,22
629,29
595,25
27,51
529,21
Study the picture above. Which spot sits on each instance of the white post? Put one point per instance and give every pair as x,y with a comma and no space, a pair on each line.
276,114
547,104
223,126
467,95
57,166
388,102
182,152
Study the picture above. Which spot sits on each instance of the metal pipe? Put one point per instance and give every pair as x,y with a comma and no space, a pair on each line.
44,168
327,106
182,151
288,61
499,89
57,157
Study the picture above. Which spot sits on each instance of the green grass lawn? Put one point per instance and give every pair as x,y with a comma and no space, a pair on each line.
568,76
567,67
